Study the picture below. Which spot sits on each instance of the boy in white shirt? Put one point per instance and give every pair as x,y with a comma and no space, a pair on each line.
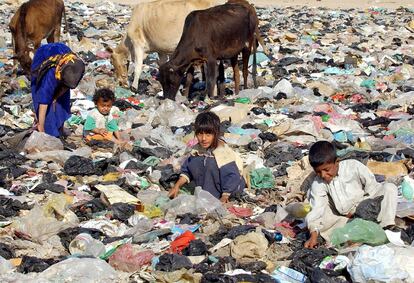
340,186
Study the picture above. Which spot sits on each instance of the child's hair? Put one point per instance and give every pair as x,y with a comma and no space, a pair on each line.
209,123
322,152
105,93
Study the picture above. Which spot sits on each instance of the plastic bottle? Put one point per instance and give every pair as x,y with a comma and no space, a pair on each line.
277,236
84,244
298,209
407,188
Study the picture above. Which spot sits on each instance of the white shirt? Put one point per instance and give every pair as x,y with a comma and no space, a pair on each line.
353,184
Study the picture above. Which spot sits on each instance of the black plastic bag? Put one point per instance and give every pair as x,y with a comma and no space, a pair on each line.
34,264
306,260
10,207
6,251
369,209
78,165
254,267
122,211
267,136
172,262
195,248
41,188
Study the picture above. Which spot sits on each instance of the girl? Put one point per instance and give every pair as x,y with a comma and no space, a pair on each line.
212,164
55,70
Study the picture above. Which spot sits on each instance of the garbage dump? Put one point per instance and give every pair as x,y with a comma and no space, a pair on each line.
102,211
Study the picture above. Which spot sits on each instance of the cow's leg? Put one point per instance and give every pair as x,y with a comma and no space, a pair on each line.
211,77
188,80
139,58
236,74
162,58
220,79
245,57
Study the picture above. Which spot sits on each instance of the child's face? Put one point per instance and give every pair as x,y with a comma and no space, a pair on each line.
327,171
205,140
104,106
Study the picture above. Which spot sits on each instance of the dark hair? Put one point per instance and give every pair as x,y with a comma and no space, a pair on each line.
322,152
105,93
209,123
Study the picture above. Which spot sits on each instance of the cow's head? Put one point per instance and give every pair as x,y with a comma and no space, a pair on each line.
25,60
170,79
119,61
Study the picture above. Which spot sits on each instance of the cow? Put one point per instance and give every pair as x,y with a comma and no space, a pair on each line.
155,26
33,21
217,33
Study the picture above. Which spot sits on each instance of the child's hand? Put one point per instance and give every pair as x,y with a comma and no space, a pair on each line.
313,241
173,192
225,198
101,131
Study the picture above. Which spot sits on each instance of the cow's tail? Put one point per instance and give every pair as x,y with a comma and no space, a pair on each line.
66,21
254,70
254,28
66,29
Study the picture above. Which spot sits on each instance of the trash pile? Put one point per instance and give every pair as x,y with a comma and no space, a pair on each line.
101,213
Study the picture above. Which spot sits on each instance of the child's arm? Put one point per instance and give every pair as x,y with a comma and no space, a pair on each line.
174,190
318,199
184,179
370,184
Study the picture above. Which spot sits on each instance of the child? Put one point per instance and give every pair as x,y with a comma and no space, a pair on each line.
212,164
338,189
102,122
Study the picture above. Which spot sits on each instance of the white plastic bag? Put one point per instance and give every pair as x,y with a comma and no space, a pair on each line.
40,142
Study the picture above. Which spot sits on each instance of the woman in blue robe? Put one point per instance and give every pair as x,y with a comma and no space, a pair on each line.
55,70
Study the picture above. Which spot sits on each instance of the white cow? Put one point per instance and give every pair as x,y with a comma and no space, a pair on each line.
154,27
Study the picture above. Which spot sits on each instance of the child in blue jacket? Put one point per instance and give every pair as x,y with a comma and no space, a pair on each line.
212,164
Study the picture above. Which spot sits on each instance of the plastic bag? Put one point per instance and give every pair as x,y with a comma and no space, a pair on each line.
126,259
80,270
39,142
78,165
172,114
60,156
207,203
369,209
376,263
85,244
5,265
262,178
359,231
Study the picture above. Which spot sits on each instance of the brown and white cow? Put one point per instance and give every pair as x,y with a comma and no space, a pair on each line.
217,33
155,26
33,21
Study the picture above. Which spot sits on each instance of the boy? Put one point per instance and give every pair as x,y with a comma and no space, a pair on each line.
102,122
338,189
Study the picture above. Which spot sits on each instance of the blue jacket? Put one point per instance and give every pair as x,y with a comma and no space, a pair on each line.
217,171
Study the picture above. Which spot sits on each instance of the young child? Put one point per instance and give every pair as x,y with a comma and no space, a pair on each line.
102,122
212,164
338,189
